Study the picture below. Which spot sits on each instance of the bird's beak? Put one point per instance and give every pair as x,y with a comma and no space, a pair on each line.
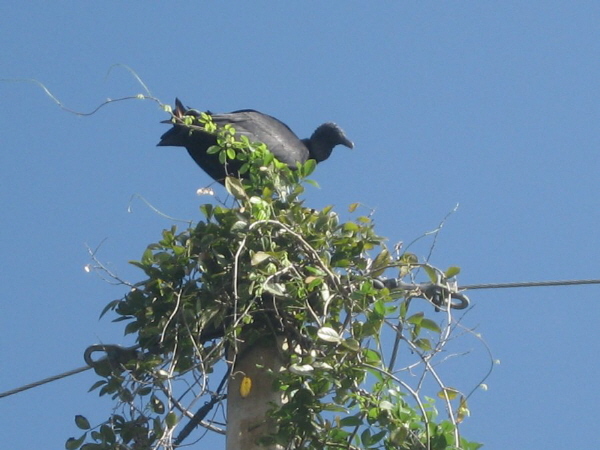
347,142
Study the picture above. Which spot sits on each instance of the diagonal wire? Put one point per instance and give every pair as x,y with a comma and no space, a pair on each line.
461,288
528,284
44,381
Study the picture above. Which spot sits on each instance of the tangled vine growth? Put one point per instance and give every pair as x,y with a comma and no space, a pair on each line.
271,267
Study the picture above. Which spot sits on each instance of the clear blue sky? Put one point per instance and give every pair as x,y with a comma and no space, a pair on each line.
493,105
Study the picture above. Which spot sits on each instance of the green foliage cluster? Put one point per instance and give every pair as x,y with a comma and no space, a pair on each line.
270,266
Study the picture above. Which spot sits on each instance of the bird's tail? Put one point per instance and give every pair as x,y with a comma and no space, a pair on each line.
177,113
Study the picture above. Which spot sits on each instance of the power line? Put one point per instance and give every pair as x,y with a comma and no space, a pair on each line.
461,288
44,381
528,284
114,355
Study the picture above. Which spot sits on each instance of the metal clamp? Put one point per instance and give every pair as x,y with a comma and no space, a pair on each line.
441,295
115,355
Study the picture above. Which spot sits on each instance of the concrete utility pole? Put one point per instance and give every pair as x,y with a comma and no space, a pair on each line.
250,395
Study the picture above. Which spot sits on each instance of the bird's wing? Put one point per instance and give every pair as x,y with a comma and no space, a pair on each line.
259,127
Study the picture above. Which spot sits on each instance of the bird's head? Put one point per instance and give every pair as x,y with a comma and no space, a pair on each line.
324,139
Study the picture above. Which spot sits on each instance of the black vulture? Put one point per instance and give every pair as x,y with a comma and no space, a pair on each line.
257,127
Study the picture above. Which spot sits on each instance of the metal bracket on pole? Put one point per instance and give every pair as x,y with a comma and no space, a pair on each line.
440,294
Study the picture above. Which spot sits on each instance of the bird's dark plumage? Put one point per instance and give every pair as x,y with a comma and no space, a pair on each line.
257,127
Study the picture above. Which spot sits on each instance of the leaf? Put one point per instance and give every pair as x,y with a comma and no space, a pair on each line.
385,405
353,207
351,226
383,259
463,410
157,426
239,225
131,327
73,443
431,273
372,357
108,435
313,282
322,365
259,257
207,210
245,167
329,335
245,387
365,438
452,271
451,393
234,187
351,421
110,306
162,374
96,385
276,289
399,435
409,258
309,167
351,344
82,423
416,319
301,369
379,308
144,391
157,405
259,207
430,325
171,419
334,407
312,183
380,263
378,436
423,344
341,263
213,149
148,257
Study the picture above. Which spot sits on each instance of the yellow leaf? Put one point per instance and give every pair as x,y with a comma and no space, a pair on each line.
245,387
463,410
448,392
234,187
